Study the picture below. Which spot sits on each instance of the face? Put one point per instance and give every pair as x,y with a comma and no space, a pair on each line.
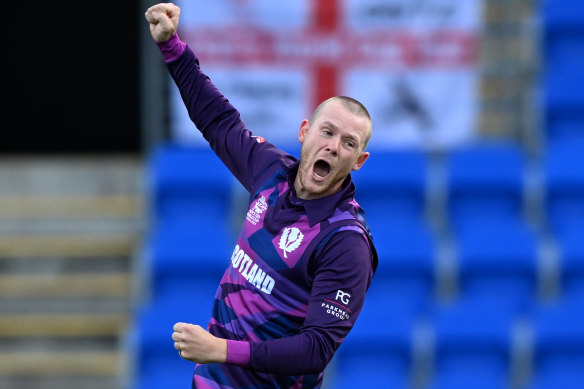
331,148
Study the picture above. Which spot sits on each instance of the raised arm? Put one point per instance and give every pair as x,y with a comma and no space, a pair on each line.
216,118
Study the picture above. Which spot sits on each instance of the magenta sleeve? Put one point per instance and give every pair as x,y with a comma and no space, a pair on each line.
237,352
172,49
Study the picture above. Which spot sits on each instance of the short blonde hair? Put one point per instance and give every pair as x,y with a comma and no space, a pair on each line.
354,106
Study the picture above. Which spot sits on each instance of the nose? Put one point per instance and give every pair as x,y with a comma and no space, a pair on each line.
333,147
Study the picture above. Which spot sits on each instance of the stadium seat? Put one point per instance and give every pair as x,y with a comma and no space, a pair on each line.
155,359
563,59
185,182
498,259
564,184
559,344
568,378
392,185
378,352
407,263
485,181
473,344
570,243
177,253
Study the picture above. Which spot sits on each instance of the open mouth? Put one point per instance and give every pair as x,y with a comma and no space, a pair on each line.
321,169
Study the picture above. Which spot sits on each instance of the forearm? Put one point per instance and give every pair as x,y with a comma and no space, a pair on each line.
210,111
305,353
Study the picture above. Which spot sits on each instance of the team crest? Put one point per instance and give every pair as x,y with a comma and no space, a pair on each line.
290,240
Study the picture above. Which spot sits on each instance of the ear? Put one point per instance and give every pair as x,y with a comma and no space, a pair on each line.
361,160
303,130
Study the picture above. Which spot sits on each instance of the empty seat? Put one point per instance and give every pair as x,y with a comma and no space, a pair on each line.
563,59
154,321
498,259
570,244
485,181
559,343
568,378
407,263
187,182
564,184
176,254
392,185
155,359
378,352
473,343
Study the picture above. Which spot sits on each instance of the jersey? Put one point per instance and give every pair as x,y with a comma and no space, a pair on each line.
297,278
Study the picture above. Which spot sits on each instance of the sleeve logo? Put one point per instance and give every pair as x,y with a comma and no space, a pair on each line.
343,296
290,240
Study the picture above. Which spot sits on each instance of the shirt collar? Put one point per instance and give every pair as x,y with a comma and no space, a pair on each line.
320,209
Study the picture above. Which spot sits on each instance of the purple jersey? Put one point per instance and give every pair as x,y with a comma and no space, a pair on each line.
297,278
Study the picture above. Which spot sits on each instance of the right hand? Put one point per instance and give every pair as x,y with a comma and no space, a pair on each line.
163,19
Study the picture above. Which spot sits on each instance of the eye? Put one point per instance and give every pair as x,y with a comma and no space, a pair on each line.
350,144
328,132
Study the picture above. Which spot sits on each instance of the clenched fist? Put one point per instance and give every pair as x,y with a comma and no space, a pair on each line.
163,19
197,345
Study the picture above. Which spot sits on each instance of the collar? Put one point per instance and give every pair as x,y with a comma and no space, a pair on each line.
320,209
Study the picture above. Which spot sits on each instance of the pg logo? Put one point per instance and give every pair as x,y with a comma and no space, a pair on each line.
344,297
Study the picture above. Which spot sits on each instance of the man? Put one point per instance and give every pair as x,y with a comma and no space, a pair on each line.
304,258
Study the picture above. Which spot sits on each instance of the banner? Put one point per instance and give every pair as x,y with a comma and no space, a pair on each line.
412,63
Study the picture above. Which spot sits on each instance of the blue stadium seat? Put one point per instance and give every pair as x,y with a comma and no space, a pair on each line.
155,359
564,184
485,181
570,243
567,378
176,253
563,103
562,13
392,185
559,344
407,252
498,259
563,59
378,351
185,182
473,344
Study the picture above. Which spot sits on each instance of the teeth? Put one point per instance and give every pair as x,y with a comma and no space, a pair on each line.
317,176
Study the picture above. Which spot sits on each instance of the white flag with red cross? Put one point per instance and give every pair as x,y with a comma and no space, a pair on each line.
413,64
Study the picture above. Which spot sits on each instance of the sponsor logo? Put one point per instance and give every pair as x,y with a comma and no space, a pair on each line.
290,240
251,271
332,309
343,296
259,139
256,209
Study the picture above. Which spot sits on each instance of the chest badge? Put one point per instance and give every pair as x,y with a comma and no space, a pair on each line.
290,240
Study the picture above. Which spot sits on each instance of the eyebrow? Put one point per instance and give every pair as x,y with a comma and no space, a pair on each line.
330,124
346,136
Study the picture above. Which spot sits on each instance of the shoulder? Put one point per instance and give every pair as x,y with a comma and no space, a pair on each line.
271,165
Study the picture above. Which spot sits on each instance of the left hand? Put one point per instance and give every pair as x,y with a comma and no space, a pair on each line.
197,345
